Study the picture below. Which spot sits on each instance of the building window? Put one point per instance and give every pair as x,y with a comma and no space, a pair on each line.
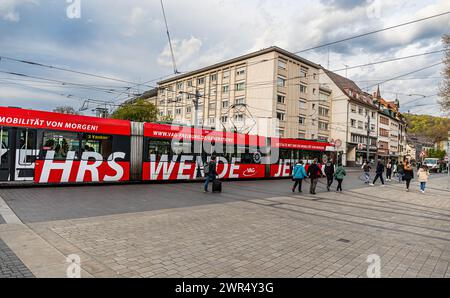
239,117
282,64
280,116
301,120
360,125
189,83
188,109
213,77
280,98
360,111
303,88
323,96
161,113
384,120
303,72
372,127
315,76
280,133
301,135
201,81
211,121
179,86
162,102
353,108
225,89
178,111
240,86
373,114
281,82
225,104
323,111
323,125
302,104
226,74
240,101
224,119
240,72
353,122
322,138
384,132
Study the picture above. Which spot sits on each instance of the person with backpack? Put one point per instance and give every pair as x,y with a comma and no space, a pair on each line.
314,174
210,172
422,176
366,168
339,175
299,173
328,169
379,173
408,174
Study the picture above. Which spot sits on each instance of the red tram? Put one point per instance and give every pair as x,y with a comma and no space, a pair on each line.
52,148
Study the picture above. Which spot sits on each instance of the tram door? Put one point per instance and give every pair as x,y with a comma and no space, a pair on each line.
25,154
5,154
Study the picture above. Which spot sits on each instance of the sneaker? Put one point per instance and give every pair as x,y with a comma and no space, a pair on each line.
328,188
382,185
371,184
407,190
422,191
293,190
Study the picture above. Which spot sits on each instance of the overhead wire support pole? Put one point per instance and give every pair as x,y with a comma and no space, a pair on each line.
175,70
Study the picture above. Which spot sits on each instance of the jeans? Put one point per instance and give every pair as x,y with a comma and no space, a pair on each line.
329,181
422,186
408,181
299,183
376,178
339,187
312,189
207,180
366,177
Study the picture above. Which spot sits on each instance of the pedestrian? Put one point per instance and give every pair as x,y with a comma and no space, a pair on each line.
408,174
400,172
379,173
389,170
328,169
340,174
366,168
299,173
422,176
210,172
313,173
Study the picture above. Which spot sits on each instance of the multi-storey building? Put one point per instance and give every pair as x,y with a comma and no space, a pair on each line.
253,90
392,129
353,116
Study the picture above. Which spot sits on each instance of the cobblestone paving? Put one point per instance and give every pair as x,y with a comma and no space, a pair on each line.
275,234
10,265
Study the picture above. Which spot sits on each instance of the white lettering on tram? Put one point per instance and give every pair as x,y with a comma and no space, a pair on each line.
86,165
163,165
50,165
115,166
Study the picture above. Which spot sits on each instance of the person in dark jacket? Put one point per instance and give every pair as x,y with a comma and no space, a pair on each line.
210,172
379,173
389,170
329,172
400,172
408,174
313,173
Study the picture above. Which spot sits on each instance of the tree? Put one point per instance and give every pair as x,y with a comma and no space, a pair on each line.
66,110
435,128
140,111
432,153
445,87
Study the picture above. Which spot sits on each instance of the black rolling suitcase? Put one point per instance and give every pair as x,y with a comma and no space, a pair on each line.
217,186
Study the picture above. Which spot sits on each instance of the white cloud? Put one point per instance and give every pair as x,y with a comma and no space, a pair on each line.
8,9
184,50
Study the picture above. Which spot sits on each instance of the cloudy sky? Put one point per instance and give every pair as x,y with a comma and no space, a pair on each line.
127,40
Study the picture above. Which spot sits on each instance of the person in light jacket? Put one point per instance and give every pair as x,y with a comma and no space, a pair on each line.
298,173
422,176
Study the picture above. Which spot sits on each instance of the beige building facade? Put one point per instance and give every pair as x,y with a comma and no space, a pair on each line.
271,92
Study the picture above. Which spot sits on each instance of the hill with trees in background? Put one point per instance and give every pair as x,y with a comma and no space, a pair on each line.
435,128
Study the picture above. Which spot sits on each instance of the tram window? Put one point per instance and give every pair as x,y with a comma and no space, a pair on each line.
26,139
60,142
97,143
181,148
285,154
159,148
4,146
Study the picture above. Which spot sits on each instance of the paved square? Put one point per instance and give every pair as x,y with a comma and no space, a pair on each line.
10,265
253,229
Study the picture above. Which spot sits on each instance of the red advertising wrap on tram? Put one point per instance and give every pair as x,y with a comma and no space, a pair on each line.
53,148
